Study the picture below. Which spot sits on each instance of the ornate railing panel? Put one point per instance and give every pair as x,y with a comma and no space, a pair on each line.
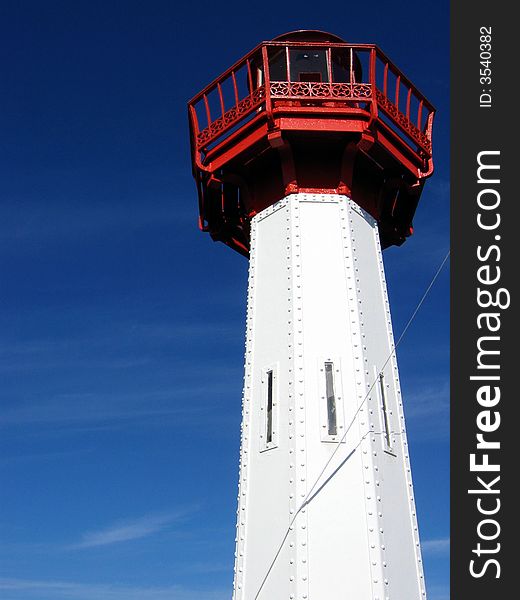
232,117
419,137
302,90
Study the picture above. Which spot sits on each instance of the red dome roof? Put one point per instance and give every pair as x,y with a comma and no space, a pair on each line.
308,35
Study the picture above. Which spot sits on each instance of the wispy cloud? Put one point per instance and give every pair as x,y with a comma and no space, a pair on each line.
427,410
75,220
210,567
39,457
113,346
440,546
89,409
427,400
128,530
438,592
28,589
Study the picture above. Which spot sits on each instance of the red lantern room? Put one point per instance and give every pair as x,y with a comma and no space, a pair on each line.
308,112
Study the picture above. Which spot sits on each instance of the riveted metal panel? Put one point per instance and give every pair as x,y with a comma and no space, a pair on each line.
338,548
316,294
263,513
401,562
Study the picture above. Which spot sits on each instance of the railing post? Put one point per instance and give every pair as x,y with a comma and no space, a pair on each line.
249,76
408,101
372,68
222,107
208,112
194,134
194,119
267,77
419,114
429,125
372,81
235,87
329,66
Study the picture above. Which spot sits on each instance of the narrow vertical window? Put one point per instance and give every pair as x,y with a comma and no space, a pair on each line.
269,416
384,409
331,407
332,421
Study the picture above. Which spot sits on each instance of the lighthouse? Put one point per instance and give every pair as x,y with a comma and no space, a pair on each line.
310,155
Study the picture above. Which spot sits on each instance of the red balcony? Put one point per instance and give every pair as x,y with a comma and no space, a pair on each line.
307,112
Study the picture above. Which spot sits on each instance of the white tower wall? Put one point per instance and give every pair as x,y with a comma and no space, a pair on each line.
318,335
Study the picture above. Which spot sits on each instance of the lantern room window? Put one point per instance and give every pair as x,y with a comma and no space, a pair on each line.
316,65
346,66
302,64
308,64
278,64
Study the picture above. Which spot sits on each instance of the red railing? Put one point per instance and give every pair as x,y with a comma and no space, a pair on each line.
352,76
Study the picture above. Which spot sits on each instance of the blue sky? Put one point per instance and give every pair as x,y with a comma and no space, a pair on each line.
122,326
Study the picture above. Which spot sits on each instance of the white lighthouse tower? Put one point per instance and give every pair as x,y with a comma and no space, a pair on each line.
314,161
